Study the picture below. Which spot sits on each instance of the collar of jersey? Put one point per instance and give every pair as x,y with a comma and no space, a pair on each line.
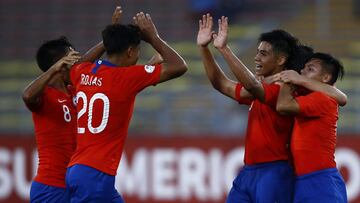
101,62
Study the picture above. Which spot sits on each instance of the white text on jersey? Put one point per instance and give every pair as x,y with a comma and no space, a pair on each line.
90,80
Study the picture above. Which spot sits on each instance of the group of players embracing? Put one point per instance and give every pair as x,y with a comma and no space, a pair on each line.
81,108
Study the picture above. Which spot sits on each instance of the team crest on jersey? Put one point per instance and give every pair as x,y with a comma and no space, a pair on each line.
149,69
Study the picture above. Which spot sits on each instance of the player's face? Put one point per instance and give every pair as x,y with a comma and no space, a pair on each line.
265,60
313,70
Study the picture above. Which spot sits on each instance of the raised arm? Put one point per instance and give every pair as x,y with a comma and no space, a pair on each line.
216,76
173,64
293,77
241,72
155,59
32,93
98,50
286,103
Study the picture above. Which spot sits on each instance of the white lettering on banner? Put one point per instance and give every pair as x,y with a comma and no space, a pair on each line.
22,185
350,160
215,167
192,174
179,174
165,174
5,176
134,180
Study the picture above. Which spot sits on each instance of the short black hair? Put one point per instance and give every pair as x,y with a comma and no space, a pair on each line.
282,42
302,56
52,51
331,65
117,38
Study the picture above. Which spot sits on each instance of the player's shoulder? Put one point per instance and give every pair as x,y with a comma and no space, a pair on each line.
142,68
82,65
323,97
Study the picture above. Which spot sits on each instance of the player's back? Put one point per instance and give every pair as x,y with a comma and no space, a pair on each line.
105,101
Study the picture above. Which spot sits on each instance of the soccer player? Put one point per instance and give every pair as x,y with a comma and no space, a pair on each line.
314,136
267,176
106,91
54,115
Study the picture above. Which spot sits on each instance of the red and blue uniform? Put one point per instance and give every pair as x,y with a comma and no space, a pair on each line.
267,175
55,132
105,101
313,148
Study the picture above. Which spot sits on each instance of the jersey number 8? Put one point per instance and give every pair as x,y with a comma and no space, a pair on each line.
105,116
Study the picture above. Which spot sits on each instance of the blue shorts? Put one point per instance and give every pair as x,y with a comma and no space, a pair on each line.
320,186
86,184
45,193
263,183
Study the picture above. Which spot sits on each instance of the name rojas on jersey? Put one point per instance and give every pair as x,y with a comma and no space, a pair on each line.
90,80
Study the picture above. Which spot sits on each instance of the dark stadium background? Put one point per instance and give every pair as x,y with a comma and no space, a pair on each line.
186,140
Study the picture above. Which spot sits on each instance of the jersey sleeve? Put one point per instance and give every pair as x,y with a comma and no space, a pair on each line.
238,96
314,104
271,94
141,76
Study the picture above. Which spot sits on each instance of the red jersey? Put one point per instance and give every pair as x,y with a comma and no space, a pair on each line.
268,133
55,132
105,103
314,136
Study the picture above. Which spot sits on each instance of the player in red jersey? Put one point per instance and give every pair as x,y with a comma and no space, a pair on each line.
54,115
106,92
314,136
267,175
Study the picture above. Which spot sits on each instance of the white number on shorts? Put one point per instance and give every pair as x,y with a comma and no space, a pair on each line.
105,116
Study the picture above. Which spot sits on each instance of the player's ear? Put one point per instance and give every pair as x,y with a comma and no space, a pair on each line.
130,51
326,77
281,60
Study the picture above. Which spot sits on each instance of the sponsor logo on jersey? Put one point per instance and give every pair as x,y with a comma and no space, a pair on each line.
62,100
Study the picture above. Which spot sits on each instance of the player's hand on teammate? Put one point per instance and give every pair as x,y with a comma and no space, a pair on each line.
290,76
205,33
116,17
147,27
67,61
220,38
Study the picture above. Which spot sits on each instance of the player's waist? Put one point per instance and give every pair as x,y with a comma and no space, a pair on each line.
266,164
52,179
318,173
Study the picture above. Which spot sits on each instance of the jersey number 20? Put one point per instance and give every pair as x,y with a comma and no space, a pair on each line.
105,116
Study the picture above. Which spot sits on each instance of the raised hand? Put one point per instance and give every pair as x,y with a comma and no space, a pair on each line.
205,33
147,27
291,76
116,17
67,61
220,38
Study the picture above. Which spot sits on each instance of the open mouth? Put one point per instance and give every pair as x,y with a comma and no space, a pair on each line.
258,67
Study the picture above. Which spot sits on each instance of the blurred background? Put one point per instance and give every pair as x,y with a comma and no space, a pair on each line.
185,141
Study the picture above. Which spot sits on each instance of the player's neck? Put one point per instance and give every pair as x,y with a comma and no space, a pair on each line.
58,84
118,61
277,70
